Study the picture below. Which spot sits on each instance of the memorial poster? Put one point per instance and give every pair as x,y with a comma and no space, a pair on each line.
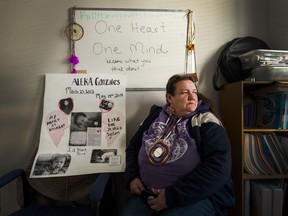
83,128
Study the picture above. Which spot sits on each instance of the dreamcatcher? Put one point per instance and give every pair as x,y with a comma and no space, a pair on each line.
74,32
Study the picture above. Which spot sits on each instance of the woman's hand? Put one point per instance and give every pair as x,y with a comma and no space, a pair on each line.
158,203
136,186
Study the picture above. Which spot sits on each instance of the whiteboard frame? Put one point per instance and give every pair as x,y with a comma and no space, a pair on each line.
187,60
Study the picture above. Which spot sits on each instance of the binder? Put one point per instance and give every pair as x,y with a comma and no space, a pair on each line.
247,197
261,199
277,199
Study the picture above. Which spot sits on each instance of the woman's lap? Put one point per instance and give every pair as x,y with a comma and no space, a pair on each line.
136,205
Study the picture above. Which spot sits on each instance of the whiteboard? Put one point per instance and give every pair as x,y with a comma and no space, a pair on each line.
147,45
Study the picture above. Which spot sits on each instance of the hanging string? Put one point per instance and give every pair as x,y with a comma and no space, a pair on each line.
190,48
73,58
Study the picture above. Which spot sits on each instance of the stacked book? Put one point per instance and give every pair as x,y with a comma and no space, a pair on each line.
265,153
267,107
265,198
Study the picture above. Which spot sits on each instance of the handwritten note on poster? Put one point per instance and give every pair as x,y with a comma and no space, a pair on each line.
83,127
148,45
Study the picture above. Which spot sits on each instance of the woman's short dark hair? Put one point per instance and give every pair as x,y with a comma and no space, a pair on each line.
170,86
173,80
211,105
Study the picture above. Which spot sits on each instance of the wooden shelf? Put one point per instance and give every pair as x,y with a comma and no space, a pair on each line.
265,130
232,100
278,176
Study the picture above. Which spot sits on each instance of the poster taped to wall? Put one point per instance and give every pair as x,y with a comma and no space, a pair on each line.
83,127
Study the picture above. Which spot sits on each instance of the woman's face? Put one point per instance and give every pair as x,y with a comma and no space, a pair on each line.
185,99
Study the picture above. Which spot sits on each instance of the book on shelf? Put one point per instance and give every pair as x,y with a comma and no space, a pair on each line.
261,199
265,153
283,119
253,161
268,110
246,154
256,157
280,147
266,197
277,199
276,153
268,154
249,155
284,143
285,206
247,197
247,158
250,111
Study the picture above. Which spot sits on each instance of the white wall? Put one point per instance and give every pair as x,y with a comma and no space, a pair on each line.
32,43
278,24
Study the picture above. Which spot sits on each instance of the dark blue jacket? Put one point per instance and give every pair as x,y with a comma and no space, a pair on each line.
211,179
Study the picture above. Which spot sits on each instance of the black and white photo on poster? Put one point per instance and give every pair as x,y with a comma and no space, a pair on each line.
48,164
85,129
103,155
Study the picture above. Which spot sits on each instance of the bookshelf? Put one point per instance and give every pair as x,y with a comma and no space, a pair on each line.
232,100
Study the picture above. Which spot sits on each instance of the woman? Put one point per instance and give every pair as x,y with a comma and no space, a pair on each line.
179,162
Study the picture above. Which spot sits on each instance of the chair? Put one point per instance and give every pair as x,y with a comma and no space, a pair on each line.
97,197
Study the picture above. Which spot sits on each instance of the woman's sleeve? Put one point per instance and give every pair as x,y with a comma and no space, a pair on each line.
212,173
132,150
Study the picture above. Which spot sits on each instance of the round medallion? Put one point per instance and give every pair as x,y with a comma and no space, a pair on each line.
158,152
74,31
